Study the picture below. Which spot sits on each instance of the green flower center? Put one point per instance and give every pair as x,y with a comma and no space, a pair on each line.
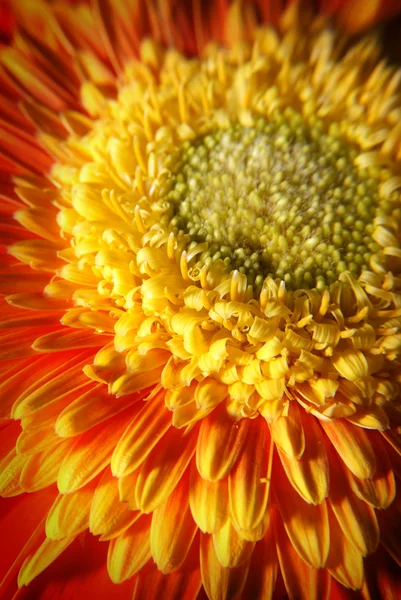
280,199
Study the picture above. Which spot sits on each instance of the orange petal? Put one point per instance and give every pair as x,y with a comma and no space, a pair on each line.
301,581
220,583
90,453
108,515
219,444
183,584
55,384
91,408
345,562
11,468
41,470
39,221
67,339
379,491
141,436
306,525
163,469
126,488
390,529
208,501
352,444
32,442
43,557
173,529
356,518
35,372
249,479
69,514
288,433
262,574
130,551
310,475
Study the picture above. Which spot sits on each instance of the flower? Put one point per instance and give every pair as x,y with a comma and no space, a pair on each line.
201,321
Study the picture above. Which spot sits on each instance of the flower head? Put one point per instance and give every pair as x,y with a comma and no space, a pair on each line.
201,331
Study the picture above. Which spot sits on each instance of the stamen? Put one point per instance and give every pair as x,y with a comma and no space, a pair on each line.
283,199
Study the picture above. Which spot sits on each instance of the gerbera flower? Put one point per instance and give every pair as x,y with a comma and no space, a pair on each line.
201,326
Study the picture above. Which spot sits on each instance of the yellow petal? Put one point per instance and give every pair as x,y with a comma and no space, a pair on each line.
351,364
210,392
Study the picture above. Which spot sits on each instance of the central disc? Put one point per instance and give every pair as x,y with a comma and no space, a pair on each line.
279,199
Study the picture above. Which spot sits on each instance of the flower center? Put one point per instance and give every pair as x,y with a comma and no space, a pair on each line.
280,199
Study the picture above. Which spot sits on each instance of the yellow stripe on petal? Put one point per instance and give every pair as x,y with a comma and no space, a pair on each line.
353,446
345,562
219,444
288,433
249,479
11,468
310,474
173,529
307,525
69,514
91,408
379,490
208,501
130,551
220,583
141,436
53,386
231,549
67,339
108,515
163,469
42,469
356,518
127,487
90,453
32,442
301,581
38,221
43,557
